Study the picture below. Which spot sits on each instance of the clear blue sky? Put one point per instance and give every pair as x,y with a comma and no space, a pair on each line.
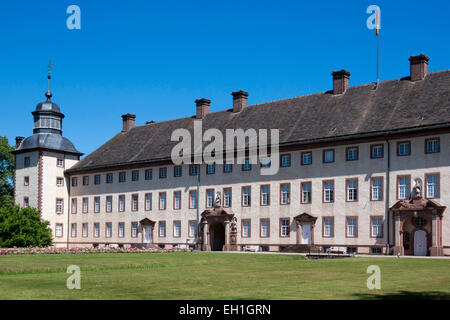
154,58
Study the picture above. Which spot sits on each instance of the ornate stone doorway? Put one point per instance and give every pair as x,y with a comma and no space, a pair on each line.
217,236
305,228
147,227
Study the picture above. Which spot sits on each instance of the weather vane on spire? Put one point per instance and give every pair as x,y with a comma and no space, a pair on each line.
49,76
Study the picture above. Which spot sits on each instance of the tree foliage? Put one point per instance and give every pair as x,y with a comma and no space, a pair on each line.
6,167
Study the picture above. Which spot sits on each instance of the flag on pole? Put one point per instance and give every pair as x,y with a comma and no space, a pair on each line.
377,22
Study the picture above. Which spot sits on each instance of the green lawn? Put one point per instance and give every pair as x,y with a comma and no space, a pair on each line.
185,275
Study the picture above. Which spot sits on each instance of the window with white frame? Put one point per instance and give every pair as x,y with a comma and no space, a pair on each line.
108,203
58,230
97,204
352,153
328,227
60,163
211,168
134,202
192,199
193,169
177,200
328,156
162,201
209,198
352,227
286,160
432,186
265,225
122,203
74,205
404,148
121,229
246,196
376,151
148,201
284,228
306,158
134,229
403,187
432,145
285,193
265,195
163,173
328,191
246,166
85,205
162,229
177,229
227,167
59,206
73,230
85,230
227,198
192,229
377,227
59,182
352,190
377,189
96,230
245,228
148,174
306,192
108,229
177,171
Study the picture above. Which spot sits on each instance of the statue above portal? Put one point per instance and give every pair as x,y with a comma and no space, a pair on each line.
217,201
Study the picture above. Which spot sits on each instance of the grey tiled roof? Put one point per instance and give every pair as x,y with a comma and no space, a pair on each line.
396,105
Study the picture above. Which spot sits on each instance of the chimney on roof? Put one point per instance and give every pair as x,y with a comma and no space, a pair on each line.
239,100
202,107
19,141
128,121
418,66
341,81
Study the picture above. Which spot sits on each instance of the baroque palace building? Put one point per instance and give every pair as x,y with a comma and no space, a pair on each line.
362,169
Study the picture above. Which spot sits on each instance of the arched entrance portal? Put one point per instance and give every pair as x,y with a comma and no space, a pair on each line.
217,236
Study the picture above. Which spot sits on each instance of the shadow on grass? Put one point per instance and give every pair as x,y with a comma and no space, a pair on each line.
405,295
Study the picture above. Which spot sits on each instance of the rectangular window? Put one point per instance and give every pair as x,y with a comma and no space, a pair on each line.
245,228
377,227
122,203
265,195
135,175
97,204
193,169
285,196
163,173
177,200
352,190
73,230
59,206
352,153
74,205
328,227
109,204
96,230
177,229
26,162
162,201
134,229
328,191
26,181
228,167
192,228
85,205
192,199
148,174
328,156
177,171
122,176
352,227
306,158
85,230
59,230
121,229
376,151
74,181
148,201
227,197
432,187
134,202
306,192
246,195
26,202
162,229
246,166
211,168
85,180
376,193
403,187
284,227
265,228
403,148
209,198
60,163
97,179
59,182
109,178
108,230
285,160
432,145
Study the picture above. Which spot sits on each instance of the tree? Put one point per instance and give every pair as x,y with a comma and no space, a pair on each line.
6,168
23,227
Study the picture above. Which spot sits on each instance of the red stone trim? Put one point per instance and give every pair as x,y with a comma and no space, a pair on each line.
99,230
346,189
231,197
280,225
425,191
301,192
323,155
290,160
260,227
397,187
118,229
398,148
242,197
261,193
131,229
145,201
159,200
189,199
206,198
439,144
74,200
382,187
106,204
62,205
377,145
174,198
323,226
301,158
346,153
250,228
99,204
289,198
346,227
62,230
173,228
124,203
87,230
82,205
106,229
174,170
323,190
71,227
189,228
159,228
382,227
